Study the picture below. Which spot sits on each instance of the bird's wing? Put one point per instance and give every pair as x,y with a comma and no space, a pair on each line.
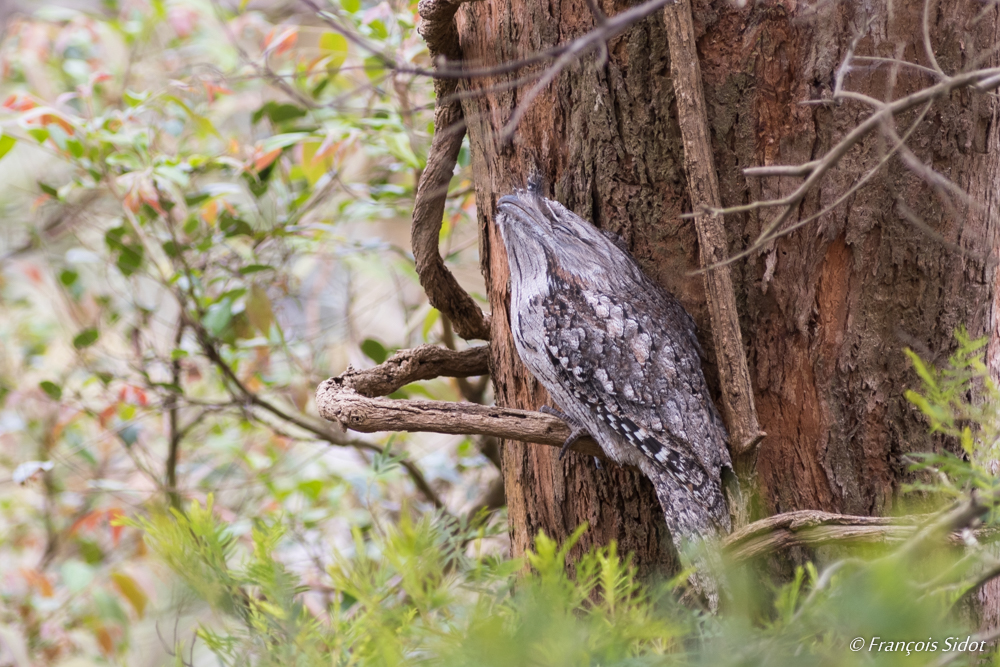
635,362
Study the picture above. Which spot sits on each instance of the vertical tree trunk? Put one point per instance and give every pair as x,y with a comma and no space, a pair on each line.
825,311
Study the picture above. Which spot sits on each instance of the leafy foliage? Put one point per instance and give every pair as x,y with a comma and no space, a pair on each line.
205,216
422,593
961,401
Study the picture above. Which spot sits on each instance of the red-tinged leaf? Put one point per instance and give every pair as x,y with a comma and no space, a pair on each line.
280,40
38,581
87,522
261,160
106,414
99,77
104,639
34,274
214,89
133,395
48,116
329,146
183,20
149,195
140,190
115,516
210,211
131,591
20,102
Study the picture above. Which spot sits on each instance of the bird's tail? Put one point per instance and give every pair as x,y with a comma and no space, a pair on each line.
691,526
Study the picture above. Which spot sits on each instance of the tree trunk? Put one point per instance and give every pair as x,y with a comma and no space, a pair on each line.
826,310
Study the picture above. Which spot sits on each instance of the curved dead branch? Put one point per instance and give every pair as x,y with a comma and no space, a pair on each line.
437,26
813,528
366,414
421,363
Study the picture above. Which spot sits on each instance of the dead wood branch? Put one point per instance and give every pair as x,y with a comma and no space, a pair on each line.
342,404
421,363
703,187
810,528
437,26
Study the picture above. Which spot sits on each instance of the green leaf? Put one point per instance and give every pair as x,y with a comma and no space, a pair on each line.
259,309
374,350
311,488
255,268
374,67
75,148
231,226
48,189
218,316
350,5
131,590
334,47
68,276
39,133
430,321
283,140
6,144
76,575
278,113
85,338
378,29
399,146
53,390
134,99
130,434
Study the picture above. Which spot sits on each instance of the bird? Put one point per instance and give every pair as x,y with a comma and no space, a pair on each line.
620,357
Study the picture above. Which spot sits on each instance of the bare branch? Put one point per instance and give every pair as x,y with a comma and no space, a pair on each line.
813,528
342,404
421,363
703,188
438,28
918,222
781,170
928,48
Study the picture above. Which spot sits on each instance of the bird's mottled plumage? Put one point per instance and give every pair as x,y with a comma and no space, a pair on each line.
619,355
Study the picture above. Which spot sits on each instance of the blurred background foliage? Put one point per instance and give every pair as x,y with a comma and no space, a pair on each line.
205,214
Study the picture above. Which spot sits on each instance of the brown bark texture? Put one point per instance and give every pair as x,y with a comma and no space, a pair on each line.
825,311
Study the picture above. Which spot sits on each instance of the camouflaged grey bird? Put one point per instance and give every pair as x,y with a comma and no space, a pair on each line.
619,356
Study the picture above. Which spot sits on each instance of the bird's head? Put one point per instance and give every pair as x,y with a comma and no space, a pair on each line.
540,234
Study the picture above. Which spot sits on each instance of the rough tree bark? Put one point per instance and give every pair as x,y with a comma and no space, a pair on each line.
825,311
